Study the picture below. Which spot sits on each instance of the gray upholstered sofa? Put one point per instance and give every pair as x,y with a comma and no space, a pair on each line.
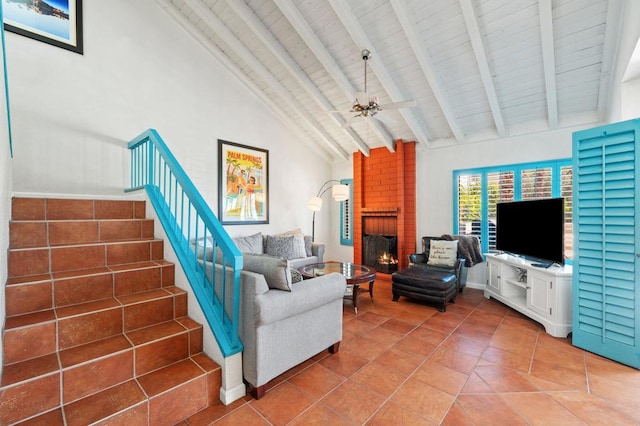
283,323
293,245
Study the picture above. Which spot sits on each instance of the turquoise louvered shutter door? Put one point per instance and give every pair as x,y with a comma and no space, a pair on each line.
605,290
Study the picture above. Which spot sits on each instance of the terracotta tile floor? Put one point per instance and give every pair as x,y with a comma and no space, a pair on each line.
406,363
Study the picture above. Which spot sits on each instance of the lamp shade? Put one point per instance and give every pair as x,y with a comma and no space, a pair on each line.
315,203
340,192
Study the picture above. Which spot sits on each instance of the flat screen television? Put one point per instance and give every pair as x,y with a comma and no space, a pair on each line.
533,229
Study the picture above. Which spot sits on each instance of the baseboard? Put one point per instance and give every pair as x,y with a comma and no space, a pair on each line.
229,395
477,286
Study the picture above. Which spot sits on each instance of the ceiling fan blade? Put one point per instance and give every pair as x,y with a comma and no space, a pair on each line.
398,105
386,119
350,121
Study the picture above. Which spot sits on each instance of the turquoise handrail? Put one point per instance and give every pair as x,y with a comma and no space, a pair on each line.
192,229
6,83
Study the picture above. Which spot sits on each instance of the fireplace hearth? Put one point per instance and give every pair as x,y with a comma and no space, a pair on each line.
380,252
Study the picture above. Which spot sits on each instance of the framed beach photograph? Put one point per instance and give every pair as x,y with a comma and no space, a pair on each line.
56,22
243,184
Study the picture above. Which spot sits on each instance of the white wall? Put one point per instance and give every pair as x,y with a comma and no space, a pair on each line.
73,114
631,99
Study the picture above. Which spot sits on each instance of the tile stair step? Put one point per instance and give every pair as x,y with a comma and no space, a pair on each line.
55,259
86,371
176,391
32,234
168,395
46,291
74,209
163,344
36,334
114,405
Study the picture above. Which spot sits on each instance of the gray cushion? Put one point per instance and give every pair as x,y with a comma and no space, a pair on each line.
281,246
308,243
276,271
299,249
250,244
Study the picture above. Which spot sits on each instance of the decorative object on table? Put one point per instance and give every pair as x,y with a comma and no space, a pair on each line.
339,192
521,275
243,184
57,23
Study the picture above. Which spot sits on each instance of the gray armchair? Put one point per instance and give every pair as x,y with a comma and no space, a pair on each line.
281,329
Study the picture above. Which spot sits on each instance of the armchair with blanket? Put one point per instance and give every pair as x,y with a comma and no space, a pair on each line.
435,274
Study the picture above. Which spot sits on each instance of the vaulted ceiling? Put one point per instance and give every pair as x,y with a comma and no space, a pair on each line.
476,69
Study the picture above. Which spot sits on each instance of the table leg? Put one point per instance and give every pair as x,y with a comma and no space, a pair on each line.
354,296
371,289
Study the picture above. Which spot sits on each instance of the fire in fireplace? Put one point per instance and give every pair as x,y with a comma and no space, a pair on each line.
380,252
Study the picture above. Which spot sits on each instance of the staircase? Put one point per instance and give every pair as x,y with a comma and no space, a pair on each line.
96,330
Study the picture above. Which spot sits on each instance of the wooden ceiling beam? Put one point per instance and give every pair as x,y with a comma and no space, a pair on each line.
360,38
299,23
473,29
549,62
258,28
611,48
218,27
417,46
220,56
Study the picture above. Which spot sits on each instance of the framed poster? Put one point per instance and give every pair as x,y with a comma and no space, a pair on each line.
243,184
56,22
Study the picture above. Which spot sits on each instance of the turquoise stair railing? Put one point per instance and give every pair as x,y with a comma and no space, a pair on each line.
187,218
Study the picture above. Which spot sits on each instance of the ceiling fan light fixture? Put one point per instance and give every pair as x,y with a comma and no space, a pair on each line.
370,105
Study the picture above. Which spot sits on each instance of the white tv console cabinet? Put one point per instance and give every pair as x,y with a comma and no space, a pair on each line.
542,294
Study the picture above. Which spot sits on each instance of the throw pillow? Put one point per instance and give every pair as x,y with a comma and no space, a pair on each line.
308,244
443,253
250,244
298,243
296,276
276,271
281,246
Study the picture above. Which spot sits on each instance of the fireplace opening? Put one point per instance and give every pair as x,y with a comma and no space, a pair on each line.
380,252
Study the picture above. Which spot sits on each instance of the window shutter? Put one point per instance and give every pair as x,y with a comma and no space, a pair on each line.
501,187
469,206
566,191
346,216
536,183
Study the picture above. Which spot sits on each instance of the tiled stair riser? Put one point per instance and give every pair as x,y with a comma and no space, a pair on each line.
96,329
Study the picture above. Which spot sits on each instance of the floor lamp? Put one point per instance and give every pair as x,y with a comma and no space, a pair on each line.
339,192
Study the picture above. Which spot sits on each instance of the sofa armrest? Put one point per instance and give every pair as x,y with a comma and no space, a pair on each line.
305,295
317,249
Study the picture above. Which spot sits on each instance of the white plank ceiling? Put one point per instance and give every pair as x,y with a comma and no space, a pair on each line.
476,69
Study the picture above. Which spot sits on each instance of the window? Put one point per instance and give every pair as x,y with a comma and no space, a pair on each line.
478,191
346,216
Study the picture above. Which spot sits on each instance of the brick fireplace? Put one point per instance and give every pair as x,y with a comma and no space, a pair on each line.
384,205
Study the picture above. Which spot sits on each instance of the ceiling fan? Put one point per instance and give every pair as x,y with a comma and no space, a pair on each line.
367,106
